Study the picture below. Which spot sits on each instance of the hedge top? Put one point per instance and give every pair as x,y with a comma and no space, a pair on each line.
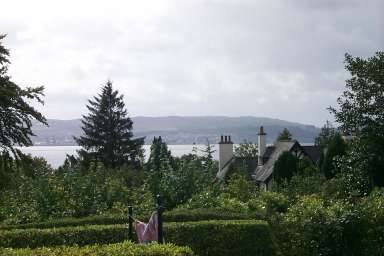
120,249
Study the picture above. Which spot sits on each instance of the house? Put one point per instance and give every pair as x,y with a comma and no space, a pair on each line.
260,168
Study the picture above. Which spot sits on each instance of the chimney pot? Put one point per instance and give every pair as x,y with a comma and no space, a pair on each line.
261,131
225,138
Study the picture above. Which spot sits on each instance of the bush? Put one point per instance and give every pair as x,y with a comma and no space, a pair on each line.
372,218
176,215
315,227
271,202
120,249
221,238
82,235
182,215
68,222
239,237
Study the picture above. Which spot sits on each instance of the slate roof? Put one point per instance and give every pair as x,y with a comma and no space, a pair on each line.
314,152
249,163
264,172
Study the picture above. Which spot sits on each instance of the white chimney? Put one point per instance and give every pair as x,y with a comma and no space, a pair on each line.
261,145
225,151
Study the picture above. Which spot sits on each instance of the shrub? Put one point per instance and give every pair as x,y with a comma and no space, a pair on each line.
176,215
220,238
82,235
120,249
68,222
372,218
315,227
239,237
182,214
269,203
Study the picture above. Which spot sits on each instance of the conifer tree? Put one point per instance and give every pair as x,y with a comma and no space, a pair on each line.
107,129
285,167
284,135
336,148
160,162
326,135
16,113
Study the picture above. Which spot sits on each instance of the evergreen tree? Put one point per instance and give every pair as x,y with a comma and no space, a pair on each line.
285,167
107,131
336,148
326,134
16,113
208,157
284,135
160,162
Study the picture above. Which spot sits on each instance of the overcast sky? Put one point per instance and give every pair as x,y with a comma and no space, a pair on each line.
272,58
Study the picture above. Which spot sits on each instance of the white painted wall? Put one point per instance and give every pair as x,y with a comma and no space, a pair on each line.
261,146
225,153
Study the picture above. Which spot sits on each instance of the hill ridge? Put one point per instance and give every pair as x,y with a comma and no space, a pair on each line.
183,129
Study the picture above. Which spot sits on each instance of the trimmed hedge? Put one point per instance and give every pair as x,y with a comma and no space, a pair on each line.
120,249
221,238
70,222
175,215
205,237
81,235
182,215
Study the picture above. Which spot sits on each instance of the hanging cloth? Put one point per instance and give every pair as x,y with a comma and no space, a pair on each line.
147,232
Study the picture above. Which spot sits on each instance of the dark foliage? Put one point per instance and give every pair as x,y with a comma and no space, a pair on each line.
204,237
285,167
337,147
284,135
361,106
224,237
108,131
325,136
16,113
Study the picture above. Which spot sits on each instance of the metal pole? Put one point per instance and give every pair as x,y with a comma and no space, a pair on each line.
160,210
130,222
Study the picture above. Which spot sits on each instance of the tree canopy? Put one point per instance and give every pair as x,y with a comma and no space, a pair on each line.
107,131
285,167
361,106
336,148
284,135
360,113
16,112
326,134
246,149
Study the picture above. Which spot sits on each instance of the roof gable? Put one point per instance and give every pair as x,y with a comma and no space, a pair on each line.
264,172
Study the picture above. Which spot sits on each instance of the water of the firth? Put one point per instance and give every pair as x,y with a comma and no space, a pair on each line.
55,155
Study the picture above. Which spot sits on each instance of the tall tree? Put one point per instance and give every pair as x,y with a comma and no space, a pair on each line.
160,162
285,167
336,148
209,162
16,113
360,112
284,135
326,134
361,106
107,129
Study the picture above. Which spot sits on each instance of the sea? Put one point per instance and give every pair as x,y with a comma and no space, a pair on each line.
55,155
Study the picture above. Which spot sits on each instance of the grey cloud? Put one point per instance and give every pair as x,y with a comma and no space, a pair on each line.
268,58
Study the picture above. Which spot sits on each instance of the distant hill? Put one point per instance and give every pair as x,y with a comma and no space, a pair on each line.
183,130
